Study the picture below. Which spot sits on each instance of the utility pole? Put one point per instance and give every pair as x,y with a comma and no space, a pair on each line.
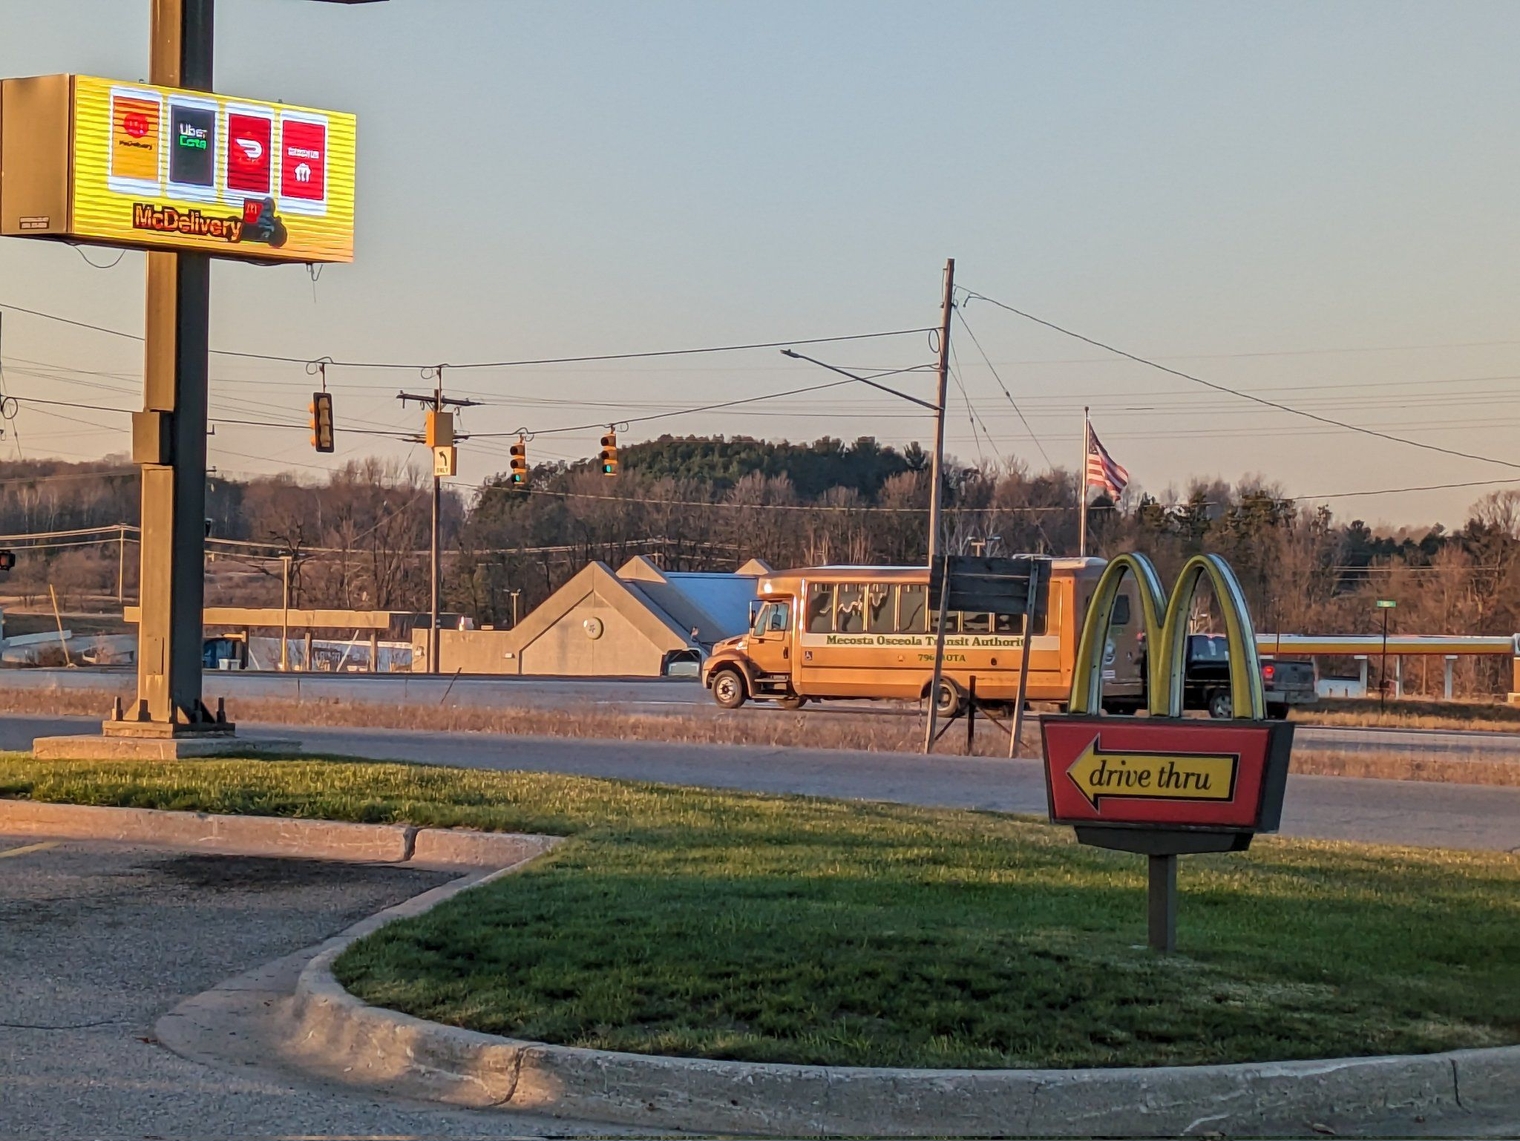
937,475
439,436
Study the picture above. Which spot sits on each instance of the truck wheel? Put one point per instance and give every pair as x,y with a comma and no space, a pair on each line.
1277,712
791,701
728,689
1220,706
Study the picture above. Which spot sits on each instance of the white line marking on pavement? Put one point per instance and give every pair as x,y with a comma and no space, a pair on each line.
29,848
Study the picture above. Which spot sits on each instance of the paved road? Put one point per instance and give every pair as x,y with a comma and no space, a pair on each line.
98,940
652,695
1330,808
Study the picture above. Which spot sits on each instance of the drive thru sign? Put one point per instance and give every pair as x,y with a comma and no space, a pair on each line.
1156,773
1165,785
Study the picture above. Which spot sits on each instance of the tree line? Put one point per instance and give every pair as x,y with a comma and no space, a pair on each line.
358,537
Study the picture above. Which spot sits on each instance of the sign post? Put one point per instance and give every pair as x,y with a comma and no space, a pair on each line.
1165,786
1014,586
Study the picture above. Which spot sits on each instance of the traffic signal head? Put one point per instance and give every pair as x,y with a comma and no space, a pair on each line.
609,453
321,421
519,454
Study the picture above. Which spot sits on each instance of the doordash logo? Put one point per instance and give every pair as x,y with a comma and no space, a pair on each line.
249,162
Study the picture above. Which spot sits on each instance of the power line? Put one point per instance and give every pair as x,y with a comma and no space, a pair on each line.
1242,395
970,333
644,355
689,411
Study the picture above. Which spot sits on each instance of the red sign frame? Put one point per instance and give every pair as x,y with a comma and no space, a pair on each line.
1165,773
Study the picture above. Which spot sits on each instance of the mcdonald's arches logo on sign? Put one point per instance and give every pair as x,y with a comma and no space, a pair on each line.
1165,784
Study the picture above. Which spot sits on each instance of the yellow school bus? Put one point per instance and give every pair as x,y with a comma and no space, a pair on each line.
869,632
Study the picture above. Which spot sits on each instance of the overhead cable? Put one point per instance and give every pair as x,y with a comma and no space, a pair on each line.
643,355
1242,395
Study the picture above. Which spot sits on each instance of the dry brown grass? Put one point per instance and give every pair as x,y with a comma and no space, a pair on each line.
1444,768
1409,713
753,725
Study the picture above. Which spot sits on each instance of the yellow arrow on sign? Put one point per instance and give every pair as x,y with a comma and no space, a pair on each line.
1153,776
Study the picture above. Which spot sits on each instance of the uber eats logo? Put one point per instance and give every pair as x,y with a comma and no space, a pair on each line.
192,136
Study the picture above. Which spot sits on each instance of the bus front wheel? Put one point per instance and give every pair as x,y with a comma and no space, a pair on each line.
728,689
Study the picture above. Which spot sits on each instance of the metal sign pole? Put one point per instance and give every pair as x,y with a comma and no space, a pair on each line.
1015,740
1163,903
174,413
939,657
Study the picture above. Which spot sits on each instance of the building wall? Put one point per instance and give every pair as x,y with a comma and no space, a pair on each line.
565,647
468,651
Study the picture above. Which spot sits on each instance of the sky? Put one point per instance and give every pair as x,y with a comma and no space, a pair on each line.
1313,203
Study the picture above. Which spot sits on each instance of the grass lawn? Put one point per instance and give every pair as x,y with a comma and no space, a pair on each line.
787,929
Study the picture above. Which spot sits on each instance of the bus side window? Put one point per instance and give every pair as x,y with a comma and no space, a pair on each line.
976,623
850,608
881,608
820,611
762,619
1043,617
781,617
912,611
1121,611
952,622
1008,624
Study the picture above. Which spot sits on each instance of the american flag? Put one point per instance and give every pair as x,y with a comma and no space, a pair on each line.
1102,471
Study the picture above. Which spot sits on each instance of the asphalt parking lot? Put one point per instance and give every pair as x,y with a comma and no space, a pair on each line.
98,940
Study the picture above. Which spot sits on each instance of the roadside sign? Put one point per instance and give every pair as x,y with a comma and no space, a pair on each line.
1166,785
1386,604
1012,585
1160,774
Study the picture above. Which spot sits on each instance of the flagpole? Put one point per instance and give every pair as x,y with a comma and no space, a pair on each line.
1082,510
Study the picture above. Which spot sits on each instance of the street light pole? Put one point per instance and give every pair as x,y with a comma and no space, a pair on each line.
1385,605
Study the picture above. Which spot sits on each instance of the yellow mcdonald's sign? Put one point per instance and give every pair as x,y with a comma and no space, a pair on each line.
1165,624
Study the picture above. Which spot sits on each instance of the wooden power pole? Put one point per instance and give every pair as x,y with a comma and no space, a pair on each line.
937,470
438,434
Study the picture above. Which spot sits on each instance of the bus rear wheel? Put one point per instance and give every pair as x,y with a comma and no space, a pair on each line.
950,698
728,689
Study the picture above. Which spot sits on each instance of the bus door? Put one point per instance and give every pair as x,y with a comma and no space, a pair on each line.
770,640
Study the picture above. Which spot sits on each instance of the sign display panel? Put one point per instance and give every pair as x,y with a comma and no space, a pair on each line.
165,168
1158,772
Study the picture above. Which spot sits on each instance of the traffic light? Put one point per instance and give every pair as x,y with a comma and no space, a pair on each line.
609,453
321,421
7,560
519,453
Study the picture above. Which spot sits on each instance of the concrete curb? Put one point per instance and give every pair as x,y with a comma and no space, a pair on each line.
336,1033
273,836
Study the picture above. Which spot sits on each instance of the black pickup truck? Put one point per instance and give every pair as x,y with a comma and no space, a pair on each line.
1207,681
